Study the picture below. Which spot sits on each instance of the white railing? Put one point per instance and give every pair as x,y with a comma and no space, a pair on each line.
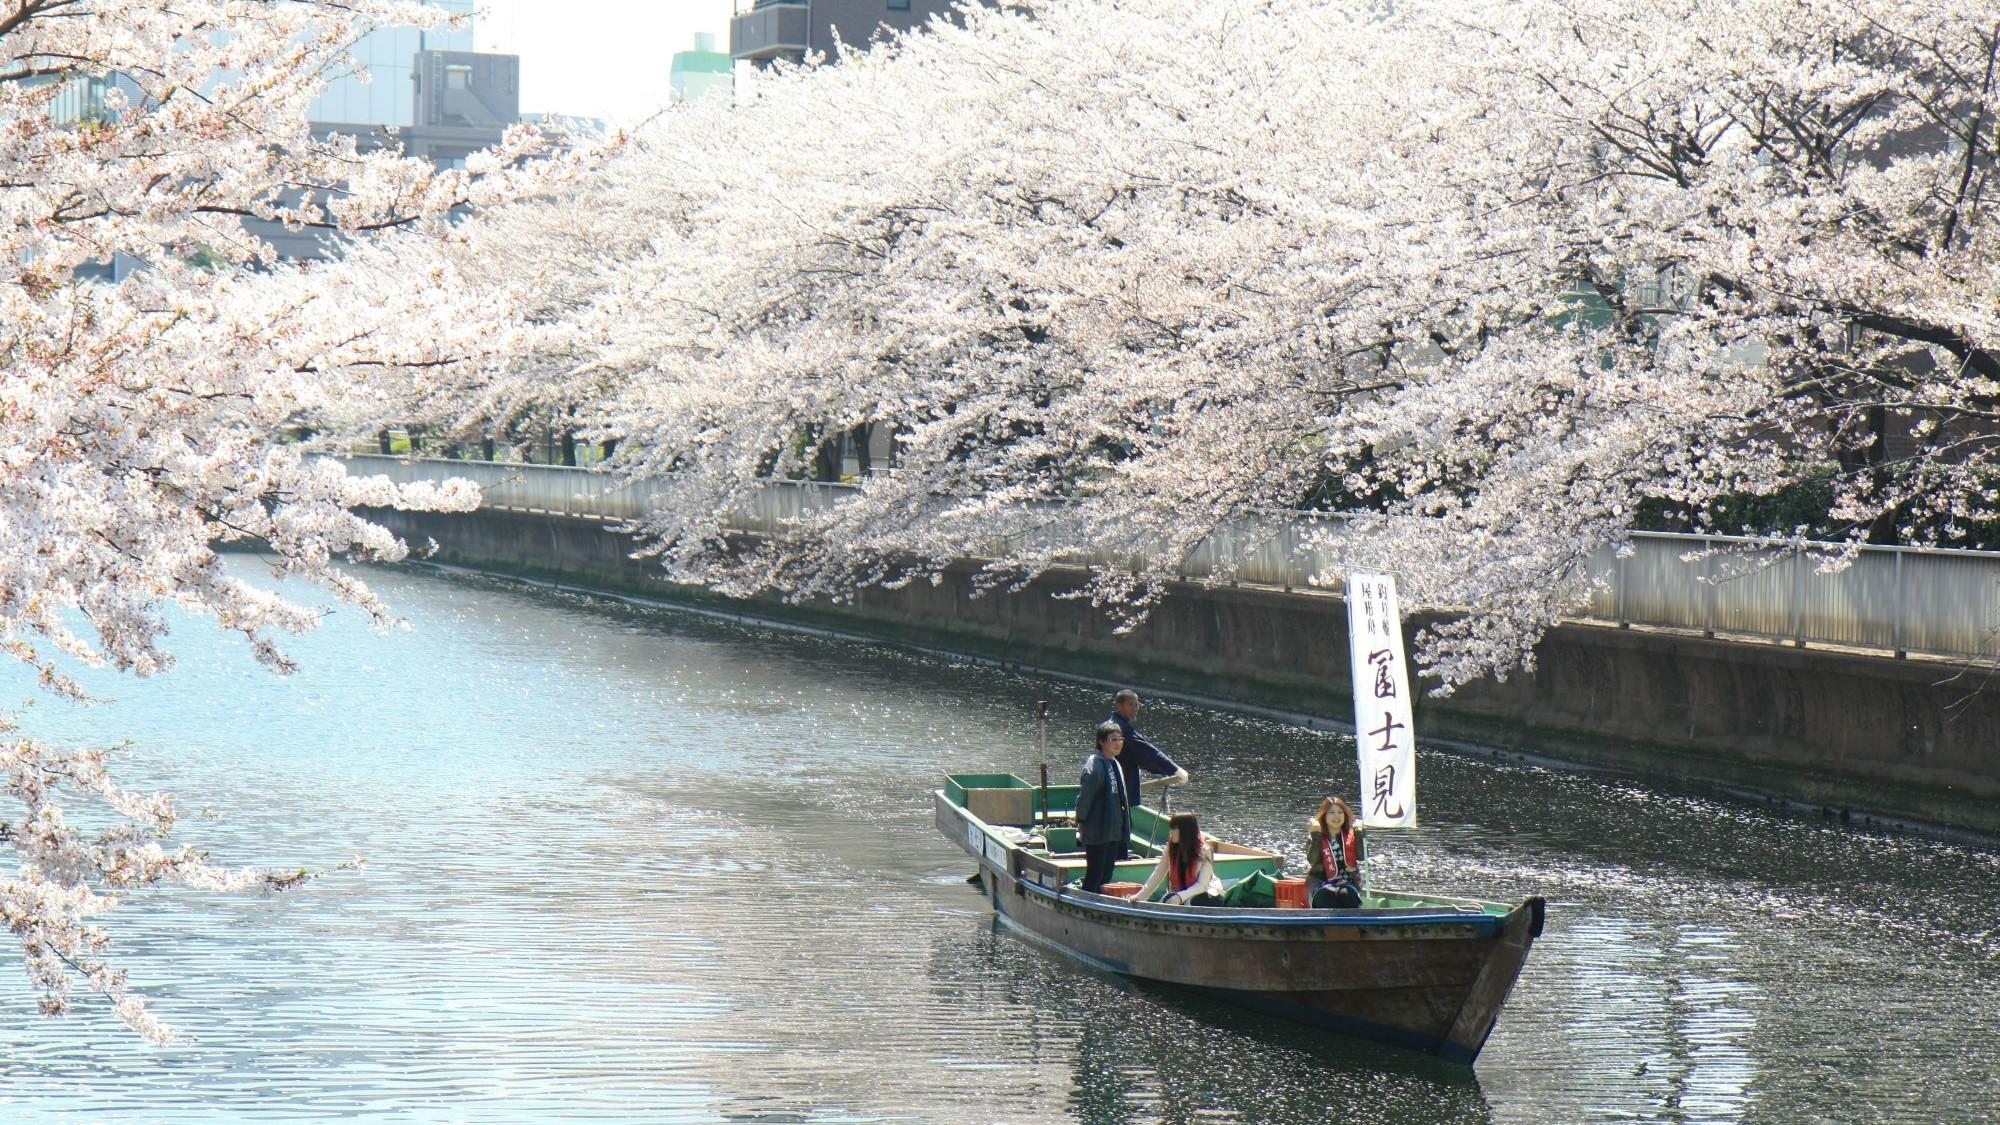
1902,599
1896,599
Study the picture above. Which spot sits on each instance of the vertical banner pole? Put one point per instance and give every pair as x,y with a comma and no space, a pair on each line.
1042,735
1384,739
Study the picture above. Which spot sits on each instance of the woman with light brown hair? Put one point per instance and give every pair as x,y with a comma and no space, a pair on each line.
1334,851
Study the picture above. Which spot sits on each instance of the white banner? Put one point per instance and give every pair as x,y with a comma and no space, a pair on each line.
1384,738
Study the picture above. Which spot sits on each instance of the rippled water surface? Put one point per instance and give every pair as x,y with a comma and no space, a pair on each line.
638,864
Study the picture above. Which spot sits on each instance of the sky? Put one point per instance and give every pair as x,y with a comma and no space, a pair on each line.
597,58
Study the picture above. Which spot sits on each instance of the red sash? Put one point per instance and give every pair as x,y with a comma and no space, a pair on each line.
1182,879
1326,860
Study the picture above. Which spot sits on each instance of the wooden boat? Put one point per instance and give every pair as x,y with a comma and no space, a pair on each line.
1419,971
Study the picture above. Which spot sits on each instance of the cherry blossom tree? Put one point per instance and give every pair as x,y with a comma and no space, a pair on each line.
1121,274
141,422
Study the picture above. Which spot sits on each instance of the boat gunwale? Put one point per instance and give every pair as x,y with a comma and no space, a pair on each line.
1487,916
1484,924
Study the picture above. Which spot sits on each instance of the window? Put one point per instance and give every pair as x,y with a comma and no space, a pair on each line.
458,78
899,5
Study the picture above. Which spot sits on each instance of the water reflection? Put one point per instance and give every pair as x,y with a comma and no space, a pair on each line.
1139,1052
626,862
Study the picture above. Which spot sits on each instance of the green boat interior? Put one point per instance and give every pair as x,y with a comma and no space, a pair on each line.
1041,822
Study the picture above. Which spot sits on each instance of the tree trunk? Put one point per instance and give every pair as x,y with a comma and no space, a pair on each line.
864,436
1882,530
1871,464
826,460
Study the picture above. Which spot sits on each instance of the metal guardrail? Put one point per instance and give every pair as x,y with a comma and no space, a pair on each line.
1896,599
1899,599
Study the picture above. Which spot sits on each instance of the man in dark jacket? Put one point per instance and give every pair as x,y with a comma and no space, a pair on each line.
1139,754
1103,815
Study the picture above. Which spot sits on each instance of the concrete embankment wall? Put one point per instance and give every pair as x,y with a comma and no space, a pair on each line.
1911,739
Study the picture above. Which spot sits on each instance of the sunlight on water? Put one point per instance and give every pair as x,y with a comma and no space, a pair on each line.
626,863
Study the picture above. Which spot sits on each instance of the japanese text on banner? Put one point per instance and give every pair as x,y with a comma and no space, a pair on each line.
1384,738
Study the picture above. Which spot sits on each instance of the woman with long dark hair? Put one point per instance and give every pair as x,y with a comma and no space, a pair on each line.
1186,867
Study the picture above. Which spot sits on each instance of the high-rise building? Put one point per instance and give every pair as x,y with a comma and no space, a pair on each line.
387,55
430,93
702,72
427,93
764,31
463,102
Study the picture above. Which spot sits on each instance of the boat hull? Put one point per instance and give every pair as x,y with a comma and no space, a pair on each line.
1432,980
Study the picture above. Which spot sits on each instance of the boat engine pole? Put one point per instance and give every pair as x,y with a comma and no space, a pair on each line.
1042,733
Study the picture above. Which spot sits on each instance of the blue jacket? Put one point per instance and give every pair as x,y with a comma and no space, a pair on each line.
1100,817
1139,754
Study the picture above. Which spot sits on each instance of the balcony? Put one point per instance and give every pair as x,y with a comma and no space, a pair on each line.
770,31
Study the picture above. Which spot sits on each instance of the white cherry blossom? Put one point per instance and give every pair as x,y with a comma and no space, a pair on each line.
144,423
1121,273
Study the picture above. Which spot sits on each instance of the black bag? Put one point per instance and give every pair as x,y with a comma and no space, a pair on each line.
1338,893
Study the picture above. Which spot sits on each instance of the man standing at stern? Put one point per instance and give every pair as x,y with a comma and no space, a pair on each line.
1103,818
1139,754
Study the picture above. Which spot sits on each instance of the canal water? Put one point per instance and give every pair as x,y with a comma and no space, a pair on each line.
636,864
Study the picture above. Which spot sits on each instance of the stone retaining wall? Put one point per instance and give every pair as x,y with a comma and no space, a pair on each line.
1913,739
